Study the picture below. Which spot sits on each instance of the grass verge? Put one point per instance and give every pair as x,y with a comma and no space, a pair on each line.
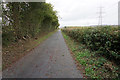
91,65
14,52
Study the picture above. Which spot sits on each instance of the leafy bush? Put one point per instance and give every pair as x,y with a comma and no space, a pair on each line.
104,40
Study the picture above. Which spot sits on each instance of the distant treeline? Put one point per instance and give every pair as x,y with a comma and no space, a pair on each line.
27,20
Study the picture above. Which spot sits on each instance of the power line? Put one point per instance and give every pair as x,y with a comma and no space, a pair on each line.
100,16
111,7
112,12
101,12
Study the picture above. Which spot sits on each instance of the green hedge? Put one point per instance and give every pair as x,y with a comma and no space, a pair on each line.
104,40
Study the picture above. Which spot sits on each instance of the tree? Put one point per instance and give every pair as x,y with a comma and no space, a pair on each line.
23,19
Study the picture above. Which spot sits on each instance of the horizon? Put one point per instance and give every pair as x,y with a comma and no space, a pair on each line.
85,12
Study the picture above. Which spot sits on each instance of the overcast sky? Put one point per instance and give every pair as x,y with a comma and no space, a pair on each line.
0,19
85,12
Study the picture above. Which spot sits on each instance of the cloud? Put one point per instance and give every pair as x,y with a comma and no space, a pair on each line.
85,12
0,19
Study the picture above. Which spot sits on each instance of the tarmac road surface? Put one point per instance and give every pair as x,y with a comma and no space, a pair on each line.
51,59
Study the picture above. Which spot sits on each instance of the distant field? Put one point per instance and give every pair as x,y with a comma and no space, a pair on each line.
78,27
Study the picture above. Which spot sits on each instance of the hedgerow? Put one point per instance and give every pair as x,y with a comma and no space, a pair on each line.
104,40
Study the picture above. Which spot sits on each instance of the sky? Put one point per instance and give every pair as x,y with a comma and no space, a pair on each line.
0,20
85,12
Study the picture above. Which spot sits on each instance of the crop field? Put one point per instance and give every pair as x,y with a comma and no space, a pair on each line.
102,43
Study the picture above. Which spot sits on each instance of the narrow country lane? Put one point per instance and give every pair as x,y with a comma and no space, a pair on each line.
51,59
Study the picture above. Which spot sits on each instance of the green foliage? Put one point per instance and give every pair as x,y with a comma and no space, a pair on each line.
104,40
27,19
95,67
